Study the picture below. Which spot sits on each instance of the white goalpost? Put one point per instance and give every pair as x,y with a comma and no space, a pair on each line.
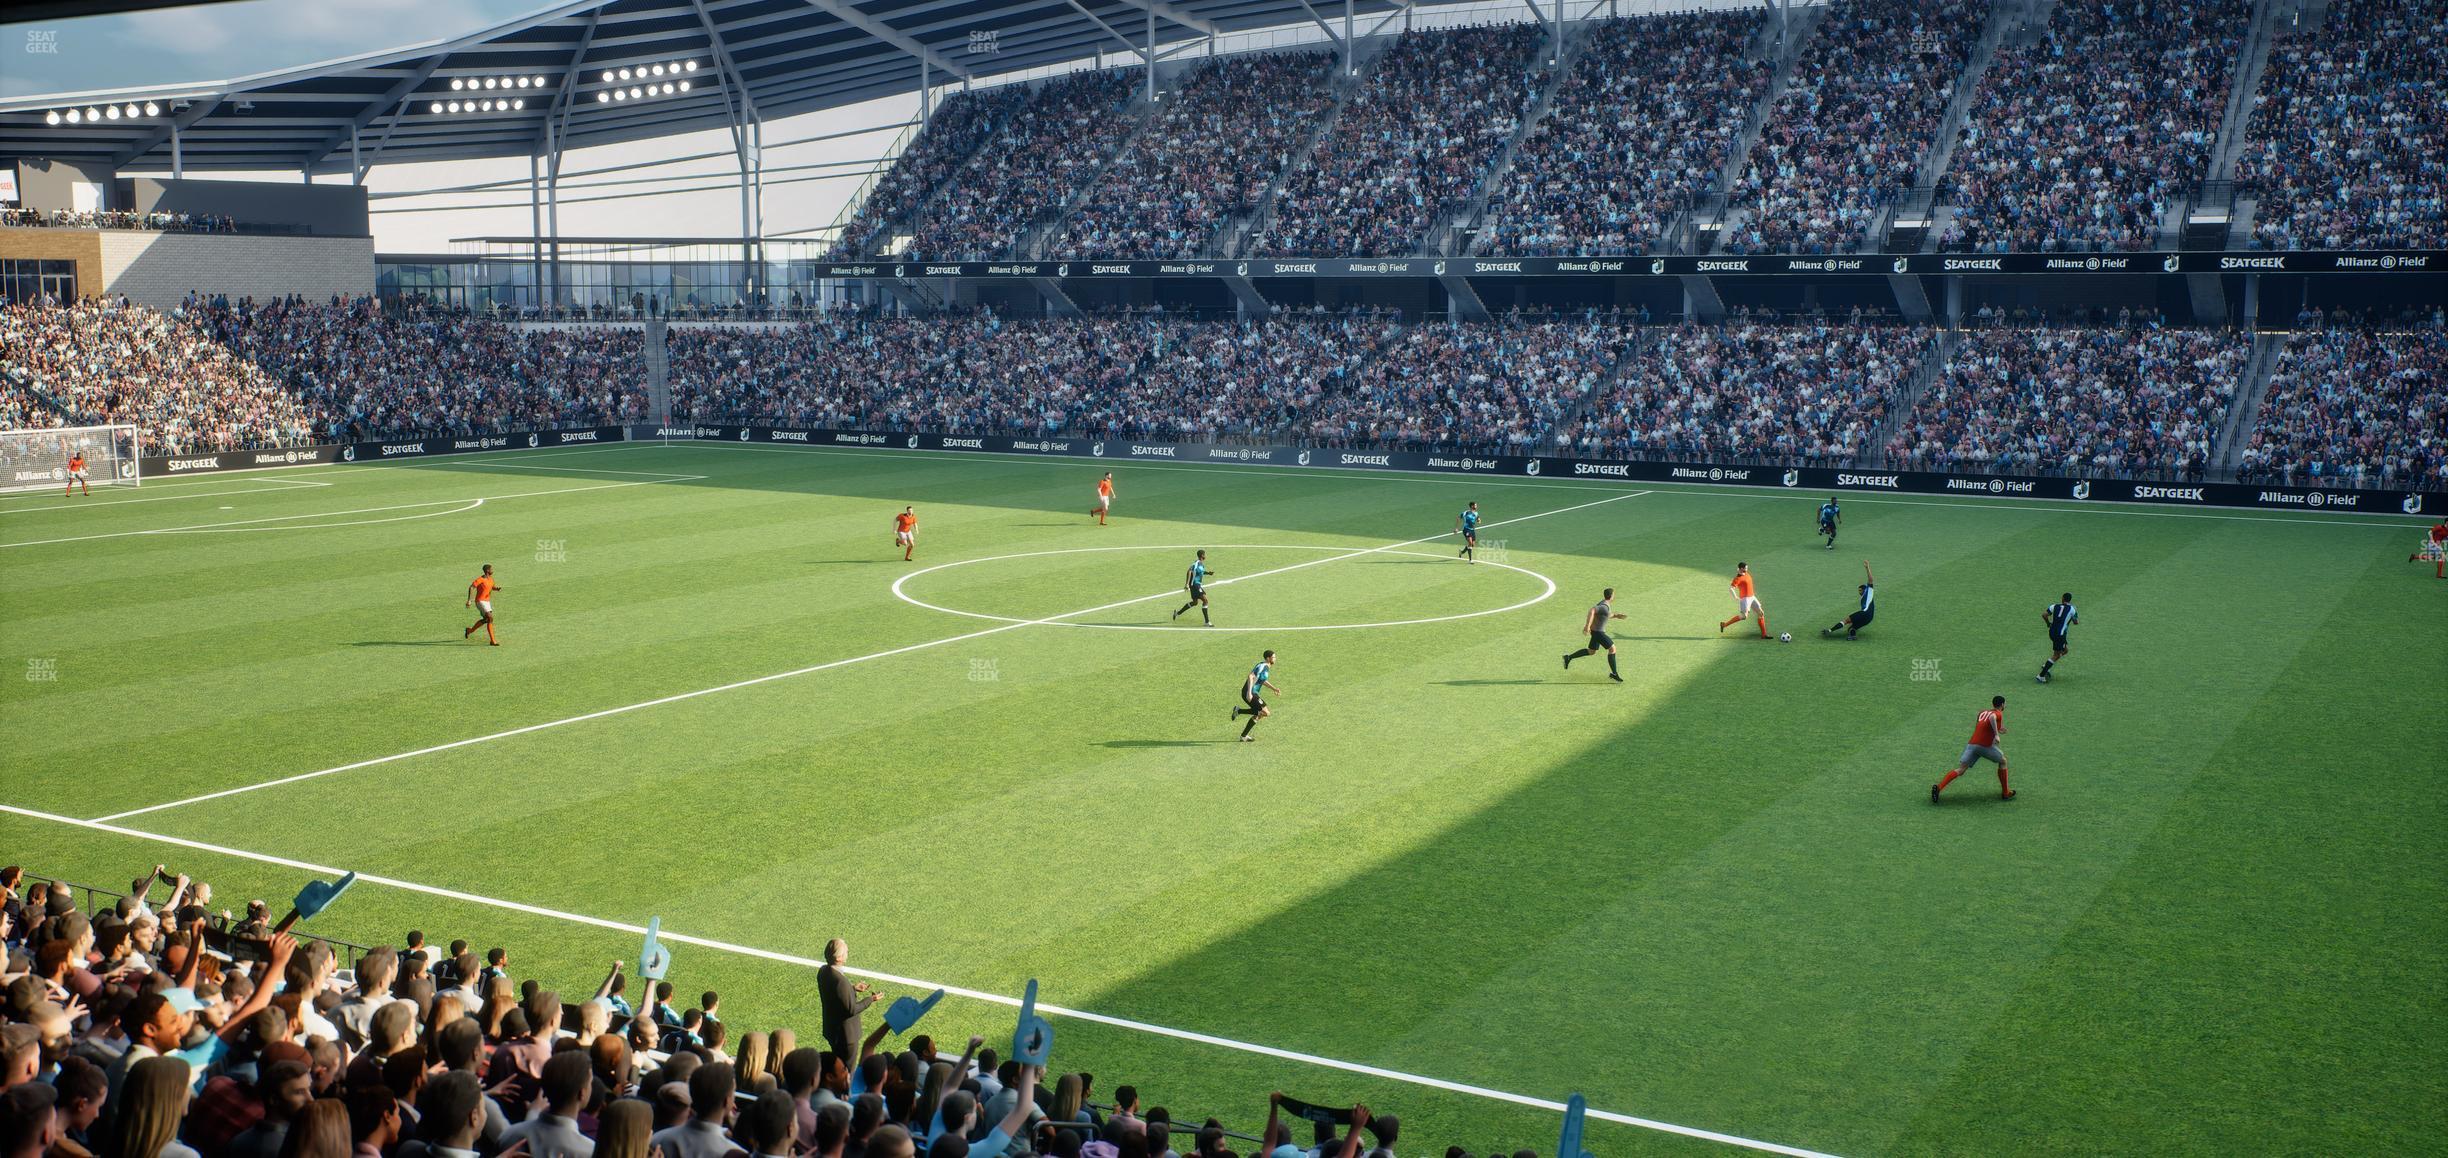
35,460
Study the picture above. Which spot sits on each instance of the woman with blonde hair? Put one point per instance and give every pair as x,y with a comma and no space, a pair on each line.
751,1063
623,1130
152,1101
500,997
779,1046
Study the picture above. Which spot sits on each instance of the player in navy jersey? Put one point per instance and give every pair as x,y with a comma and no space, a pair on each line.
1254,688
1852,624
1829,516
1466,524
1195,582
2060,618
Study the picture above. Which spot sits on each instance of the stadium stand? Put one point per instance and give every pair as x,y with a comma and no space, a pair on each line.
2084,139
125,1038
1799,393
216,376
2354,407
1226,132
1036,160
952,136
1846,137
1495,388
2349,132
2108,402
1410,146
1637,133
117,219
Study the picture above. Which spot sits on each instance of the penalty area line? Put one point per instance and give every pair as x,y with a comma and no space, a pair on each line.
811,669
1360,1068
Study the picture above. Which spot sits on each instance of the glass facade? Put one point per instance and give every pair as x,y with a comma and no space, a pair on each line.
611,277
30,279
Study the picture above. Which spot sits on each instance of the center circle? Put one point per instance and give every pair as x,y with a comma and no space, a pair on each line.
1547,588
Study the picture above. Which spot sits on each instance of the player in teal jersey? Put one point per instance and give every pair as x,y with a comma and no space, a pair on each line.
1254,687
1466,524
1195,582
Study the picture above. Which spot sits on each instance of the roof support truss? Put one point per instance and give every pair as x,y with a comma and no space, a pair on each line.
388,102
843,11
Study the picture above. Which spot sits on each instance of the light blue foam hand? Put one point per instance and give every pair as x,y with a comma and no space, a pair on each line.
906,1011
1576,1114
1034,1038
318,895
654,960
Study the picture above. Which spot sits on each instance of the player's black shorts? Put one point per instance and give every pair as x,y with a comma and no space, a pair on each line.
1471,537
1253,703
1600,641
1826,527
2057,642
1861,618
1198,591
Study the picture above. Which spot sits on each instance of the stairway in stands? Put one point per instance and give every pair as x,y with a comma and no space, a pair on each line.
2246,412
1459,232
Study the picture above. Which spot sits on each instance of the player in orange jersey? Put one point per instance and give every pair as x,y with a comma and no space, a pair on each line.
76,474
1746,604
1986,728
2434,550
905,532
480,596
1104,498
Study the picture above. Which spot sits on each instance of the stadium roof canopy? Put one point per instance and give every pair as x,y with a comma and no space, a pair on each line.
785,56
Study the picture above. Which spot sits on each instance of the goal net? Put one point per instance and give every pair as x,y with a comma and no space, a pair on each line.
33,460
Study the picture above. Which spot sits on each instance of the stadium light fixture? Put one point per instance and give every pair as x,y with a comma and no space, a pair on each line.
603,98
437,106
458,83
152,110
110,112
93,114
52,117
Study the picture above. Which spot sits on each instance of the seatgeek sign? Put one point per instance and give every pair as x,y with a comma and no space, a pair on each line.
1826,480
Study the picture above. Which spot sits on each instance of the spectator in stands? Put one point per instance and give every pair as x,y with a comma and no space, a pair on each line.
553,1133
2345,142
710,1091
2354,407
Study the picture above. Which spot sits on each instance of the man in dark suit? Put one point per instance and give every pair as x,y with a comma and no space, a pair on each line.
843,1002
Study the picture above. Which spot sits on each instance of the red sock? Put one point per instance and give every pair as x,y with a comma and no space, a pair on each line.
2002,778
1952,773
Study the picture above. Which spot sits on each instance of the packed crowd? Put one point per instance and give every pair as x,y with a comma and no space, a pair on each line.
1797,393
2083,140
1222,137
1490,388
1636,133
838,371
1034,162
2348,138
118,219
2127,403
952,135
99,362
153,1026
1846,138
1410,146
216,376
2355,408
1231,382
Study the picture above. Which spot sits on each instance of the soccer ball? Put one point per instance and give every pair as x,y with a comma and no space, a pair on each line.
1785,638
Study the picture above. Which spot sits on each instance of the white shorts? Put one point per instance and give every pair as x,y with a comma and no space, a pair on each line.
77,475
1746,605
904,538
485,605
1104,500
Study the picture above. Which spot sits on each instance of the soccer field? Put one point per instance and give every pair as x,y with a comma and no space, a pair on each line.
2215,920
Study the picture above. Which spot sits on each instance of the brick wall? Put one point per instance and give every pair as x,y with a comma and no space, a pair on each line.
157,269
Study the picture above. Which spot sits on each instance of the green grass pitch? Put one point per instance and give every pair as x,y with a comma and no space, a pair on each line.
2215,922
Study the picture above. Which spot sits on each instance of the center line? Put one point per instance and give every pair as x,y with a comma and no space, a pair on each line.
814,668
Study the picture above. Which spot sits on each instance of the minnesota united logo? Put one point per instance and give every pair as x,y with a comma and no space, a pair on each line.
913,442
531,440
1304,461
1241,270
2412,504
1793,478
1657,265
348,454
1063,270
2170,264
1439,270
1533,468
1098,450
743,434
1901,264
2082,490
900,271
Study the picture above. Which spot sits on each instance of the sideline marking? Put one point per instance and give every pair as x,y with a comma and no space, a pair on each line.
913,600
811,669
287,485
914,983
1713,490
250,524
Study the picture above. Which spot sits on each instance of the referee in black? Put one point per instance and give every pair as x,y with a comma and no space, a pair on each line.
1595,623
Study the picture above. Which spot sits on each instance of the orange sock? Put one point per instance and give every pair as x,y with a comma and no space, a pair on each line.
489,636
1952,773
1763,622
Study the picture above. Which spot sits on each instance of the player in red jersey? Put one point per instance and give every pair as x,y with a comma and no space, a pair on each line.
2434,550
76,474
480,596
905,532
1986,729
